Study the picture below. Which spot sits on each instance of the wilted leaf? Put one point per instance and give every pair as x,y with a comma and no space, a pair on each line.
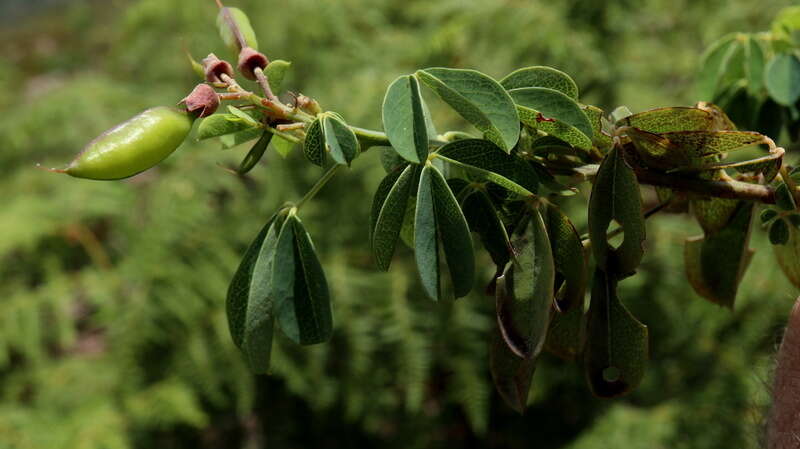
404,119
523,305
479,99
541,76
616,350
670,119
615,196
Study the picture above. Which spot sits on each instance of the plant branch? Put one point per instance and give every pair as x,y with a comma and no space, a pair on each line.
318,186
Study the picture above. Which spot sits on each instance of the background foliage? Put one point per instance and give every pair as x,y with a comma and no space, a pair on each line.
112,324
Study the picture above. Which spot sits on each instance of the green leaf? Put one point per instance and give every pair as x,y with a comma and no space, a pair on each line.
713,66
779,232
220,124
484,219
243,23
479,99
566,335
404,119
511,374
616,350
276,72
314,144
787,256
282,146
390,159
305,317
670,119
245,117
486,161
390,217
255,153
782,78
438,215
340,140
523,305
784,198
538,105
249,304
379,199
568,256
615,196
768,215
678,149
600,138
231,140
755,61
713,213
541,76
716,262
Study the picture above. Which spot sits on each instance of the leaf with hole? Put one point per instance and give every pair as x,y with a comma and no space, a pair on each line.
478,99
615,196
438,216
616,352
404,119
523,305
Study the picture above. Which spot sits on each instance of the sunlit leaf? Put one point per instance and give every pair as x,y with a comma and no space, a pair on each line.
220,124
616,350
276,72
670,119
541,76
552,105
479,99
404,119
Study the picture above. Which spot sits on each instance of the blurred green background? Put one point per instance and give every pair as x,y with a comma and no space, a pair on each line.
112,323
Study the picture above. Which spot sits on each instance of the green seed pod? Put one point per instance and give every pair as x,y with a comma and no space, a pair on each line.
241,21
132,146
